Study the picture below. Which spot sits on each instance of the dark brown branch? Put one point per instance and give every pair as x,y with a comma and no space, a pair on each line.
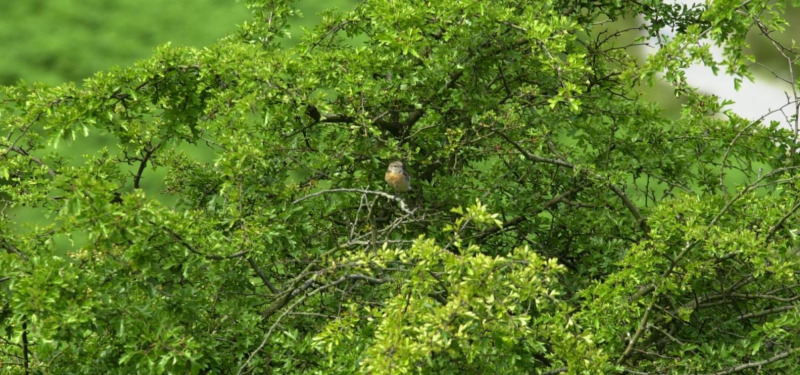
148,152
532,157
10,248
317,118
412,119
332,31
28,126
25,362
337,118
261,275
728,293
400,129
641,220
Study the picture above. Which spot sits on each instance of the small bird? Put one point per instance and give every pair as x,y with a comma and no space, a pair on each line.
397,177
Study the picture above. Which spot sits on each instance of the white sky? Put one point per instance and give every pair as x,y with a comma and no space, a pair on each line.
752,100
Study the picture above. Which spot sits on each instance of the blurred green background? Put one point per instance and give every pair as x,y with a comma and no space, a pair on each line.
55,41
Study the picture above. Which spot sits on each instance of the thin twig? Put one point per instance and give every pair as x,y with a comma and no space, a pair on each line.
300,300
191,248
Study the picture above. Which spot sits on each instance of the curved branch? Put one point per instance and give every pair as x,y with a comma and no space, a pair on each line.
11,249
641,220
779,224
191,248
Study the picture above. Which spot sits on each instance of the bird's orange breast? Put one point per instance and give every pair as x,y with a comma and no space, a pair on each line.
397,180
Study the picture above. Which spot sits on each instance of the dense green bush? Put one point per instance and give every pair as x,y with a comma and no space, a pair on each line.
559,222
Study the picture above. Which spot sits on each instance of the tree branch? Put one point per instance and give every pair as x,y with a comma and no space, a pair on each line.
148,152
638,334
36,160
556,371
25,354
767,312
640,220
403,205
519,219
779,224
300,300
191,248
10,248
261,275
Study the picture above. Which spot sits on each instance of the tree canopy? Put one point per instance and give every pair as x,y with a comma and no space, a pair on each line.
237,221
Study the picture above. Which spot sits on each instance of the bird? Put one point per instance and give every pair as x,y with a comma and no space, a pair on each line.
397,177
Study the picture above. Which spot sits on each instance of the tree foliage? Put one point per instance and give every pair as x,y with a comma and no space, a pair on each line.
559,223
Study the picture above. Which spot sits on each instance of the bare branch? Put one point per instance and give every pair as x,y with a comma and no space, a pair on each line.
403,205
641,220
148,152
767,312
300,300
